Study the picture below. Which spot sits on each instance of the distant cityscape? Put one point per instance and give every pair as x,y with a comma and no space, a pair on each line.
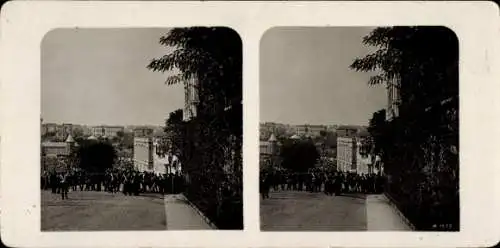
137,146
59,131
341,147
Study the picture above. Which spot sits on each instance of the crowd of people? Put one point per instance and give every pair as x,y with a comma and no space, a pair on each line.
129,182
329,182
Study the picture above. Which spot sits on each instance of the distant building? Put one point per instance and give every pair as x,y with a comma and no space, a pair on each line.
49,129
143,132
393,100
316,130
310,130
332,128
346,162
67,129
269,151
60,134
347,131
350,157
301,130
112,131
270,146
107,131
87,131
59,149
43,130
159,132
98,131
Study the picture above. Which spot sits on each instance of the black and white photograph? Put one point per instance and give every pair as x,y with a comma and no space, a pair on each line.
141,129
359,129
249,124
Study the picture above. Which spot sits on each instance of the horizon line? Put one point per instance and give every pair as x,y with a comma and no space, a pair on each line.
309,124
101,124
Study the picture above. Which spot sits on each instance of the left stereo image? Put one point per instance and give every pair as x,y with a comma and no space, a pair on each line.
141,129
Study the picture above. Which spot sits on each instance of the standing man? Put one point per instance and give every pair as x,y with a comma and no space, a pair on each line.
64,185
264,185
53,182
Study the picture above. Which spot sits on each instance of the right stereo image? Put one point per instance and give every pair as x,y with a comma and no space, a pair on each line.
359,129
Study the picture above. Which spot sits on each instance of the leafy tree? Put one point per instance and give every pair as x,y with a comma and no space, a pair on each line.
331,139
96,156
120,134
299,156
422,64
175,129
210,61
128,140
377,128
77,132
211,56
323,133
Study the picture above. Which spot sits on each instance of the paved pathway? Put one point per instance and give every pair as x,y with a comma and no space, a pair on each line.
180,215
382,216
305,211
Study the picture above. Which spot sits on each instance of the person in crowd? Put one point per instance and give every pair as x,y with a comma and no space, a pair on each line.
264,185
53,181
63,184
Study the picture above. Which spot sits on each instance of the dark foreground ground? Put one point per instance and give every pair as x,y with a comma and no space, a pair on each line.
93,211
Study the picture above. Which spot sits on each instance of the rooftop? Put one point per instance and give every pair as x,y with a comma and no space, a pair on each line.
54,144
70,139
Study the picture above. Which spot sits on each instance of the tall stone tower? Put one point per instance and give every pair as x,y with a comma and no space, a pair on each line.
273,145
70,142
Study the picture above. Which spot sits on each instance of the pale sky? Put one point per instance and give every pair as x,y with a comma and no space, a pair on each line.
99,76
305,77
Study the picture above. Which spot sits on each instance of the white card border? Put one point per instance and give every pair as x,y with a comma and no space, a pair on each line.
24,23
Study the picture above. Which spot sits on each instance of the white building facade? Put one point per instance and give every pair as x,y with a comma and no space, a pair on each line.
191,99
143,154
150,157
349,157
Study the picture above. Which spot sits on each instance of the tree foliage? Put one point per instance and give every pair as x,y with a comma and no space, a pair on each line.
212,56
175,130
421,61
209,59
299,156
77,133
377,129
417,145
120,134
128,140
